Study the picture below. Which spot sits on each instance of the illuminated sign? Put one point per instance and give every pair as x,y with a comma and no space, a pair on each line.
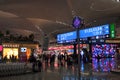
10,45
66,37
1,48
76,22
112,30
95,31
103,30
23,49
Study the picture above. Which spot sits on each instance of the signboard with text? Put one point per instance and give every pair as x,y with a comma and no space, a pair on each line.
102,31
95,31
66,37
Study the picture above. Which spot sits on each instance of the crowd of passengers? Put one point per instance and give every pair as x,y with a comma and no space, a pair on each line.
62,59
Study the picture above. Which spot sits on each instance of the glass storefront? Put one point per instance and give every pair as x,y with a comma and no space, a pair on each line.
10,52
13,52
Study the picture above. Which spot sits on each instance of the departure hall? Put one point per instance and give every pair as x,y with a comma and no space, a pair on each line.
59,39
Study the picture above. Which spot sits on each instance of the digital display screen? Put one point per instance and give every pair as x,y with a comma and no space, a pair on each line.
103,65
66,37
100,31
95,31
104,50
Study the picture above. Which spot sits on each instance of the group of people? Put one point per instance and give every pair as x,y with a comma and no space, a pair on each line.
11,58
51,58
38,59
35,59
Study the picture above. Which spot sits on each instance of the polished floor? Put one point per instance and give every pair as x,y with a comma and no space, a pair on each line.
97,70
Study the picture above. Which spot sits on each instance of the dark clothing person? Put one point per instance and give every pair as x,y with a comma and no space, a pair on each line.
32,60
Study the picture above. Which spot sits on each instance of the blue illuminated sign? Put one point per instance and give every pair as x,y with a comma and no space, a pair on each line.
85,33
95,31
66,37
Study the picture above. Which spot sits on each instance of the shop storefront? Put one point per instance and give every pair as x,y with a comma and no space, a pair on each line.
25,51
10,51
16,51
68,48
108,49
61,49
116,42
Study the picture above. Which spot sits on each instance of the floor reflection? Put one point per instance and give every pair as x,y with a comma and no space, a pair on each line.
97,70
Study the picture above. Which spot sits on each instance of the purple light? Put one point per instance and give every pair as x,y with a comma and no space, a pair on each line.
77,22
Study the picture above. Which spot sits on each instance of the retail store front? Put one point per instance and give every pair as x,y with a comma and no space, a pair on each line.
10,51
16,51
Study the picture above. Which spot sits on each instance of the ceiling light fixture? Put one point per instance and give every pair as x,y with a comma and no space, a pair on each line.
118,0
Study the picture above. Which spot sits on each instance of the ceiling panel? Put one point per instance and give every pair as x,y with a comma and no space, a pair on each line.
53,17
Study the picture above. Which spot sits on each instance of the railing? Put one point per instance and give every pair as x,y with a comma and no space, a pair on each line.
8,69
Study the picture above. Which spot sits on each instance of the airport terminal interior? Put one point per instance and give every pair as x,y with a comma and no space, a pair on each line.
59,39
